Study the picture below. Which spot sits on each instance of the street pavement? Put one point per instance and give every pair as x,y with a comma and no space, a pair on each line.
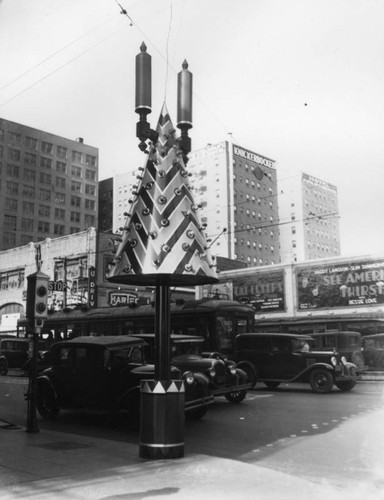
51,465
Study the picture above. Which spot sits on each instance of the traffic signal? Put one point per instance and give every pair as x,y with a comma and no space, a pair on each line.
37,298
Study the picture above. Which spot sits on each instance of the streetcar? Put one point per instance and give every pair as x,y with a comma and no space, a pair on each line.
218,321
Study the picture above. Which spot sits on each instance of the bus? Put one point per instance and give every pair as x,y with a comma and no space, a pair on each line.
218,321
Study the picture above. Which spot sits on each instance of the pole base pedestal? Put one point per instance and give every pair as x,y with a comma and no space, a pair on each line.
162,418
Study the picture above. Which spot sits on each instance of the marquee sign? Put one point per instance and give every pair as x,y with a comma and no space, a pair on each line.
350,284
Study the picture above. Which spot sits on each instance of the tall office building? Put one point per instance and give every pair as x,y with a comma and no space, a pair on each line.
237,193
309,218
48,185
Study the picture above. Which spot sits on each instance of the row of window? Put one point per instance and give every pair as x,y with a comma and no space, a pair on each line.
9,238
14,188
15,138
14,170
254,260
28,207
28,224
255,245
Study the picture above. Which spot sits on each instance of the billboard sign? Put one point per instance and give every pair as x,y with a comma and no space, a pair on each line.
264,292
353,284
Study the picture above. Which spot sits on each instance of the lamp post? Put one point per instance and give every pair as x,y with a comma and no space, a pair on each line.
163,245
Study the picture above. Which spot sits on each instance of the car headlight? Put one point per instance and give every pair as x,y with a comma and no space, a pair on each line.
212,372
189,378
232,369
343,360
334,360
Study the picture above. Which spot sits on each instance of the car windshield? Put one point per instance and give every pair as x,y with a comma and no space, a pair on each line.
301,345
185,348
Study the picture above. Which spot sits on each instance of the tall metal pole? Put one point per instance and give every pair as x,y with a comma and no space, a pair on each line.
162,330
32,425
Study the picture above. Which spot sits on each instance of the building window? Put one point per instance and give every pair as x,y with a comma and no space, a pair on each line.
1,134
26,224
90,175
73,230
45,178
12,170
45,195
28,208
60,182
44,211
90,204
75,201
43,227
89,220
9,239
90,160
11,205
293,230
31,143
59,213
30,159
25,239
13,154
61,167
90,190
58,229
75,217
76,171
14,138
61,152
76,156
29,191
10,222
47,147
12,188
76,186
60,198
293,243
45,162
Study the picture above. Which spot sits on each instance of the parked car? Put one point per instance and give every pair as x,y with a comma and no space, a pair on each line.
347,343
13,353
104,373
274,358
224,377
373,351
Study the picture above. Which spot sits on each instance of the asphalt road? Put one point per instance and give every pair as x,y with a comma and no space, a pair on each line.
337,436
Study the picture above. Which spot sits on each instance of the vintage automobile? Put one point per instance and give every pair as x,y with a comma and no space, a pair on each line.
346,343
104,373
13,353
373,351
274,358
225,378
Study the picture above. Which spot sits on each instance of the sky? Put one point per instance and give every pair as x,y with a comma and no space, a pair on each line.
298,81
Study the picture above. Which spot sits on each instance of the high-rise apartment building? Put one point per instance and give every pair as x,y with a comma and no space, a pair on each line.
309,217
48,185
237,192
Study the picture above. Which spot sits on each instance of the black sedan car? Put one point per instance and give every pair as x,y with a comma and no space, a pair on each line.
274,358
104,373
225,378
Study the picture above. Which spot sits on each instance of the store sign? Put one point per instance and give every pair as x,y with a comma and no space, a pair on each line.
122,299
92,287
248,155
265,292
350,284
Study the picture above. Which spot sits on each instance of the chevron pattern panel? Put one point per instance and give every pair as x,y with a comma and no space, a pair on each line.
163,241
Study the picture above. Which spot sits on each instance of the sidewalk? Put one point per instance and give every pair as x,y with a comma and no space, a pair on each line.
53,465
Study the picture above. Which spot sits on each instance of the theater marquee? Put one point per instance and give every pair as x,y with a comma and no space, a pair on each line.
350,284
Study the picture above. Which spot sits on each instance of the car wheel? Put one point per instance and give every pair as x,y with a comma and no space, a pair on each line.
250,371
46,402
346,385
196,414
3,367
321,381
236,396
272,385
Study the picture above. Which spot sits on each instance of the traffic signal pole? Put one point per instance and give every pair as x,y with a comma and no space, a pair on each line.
36,312
32,425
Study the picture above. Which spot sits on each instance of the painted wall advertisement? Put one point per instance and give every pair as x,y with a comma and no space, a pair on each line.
264,292
348,284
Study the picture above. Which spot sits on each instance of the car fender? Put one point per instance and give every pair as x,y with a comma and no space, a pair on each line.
306,372
201,378
241,373
43,379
